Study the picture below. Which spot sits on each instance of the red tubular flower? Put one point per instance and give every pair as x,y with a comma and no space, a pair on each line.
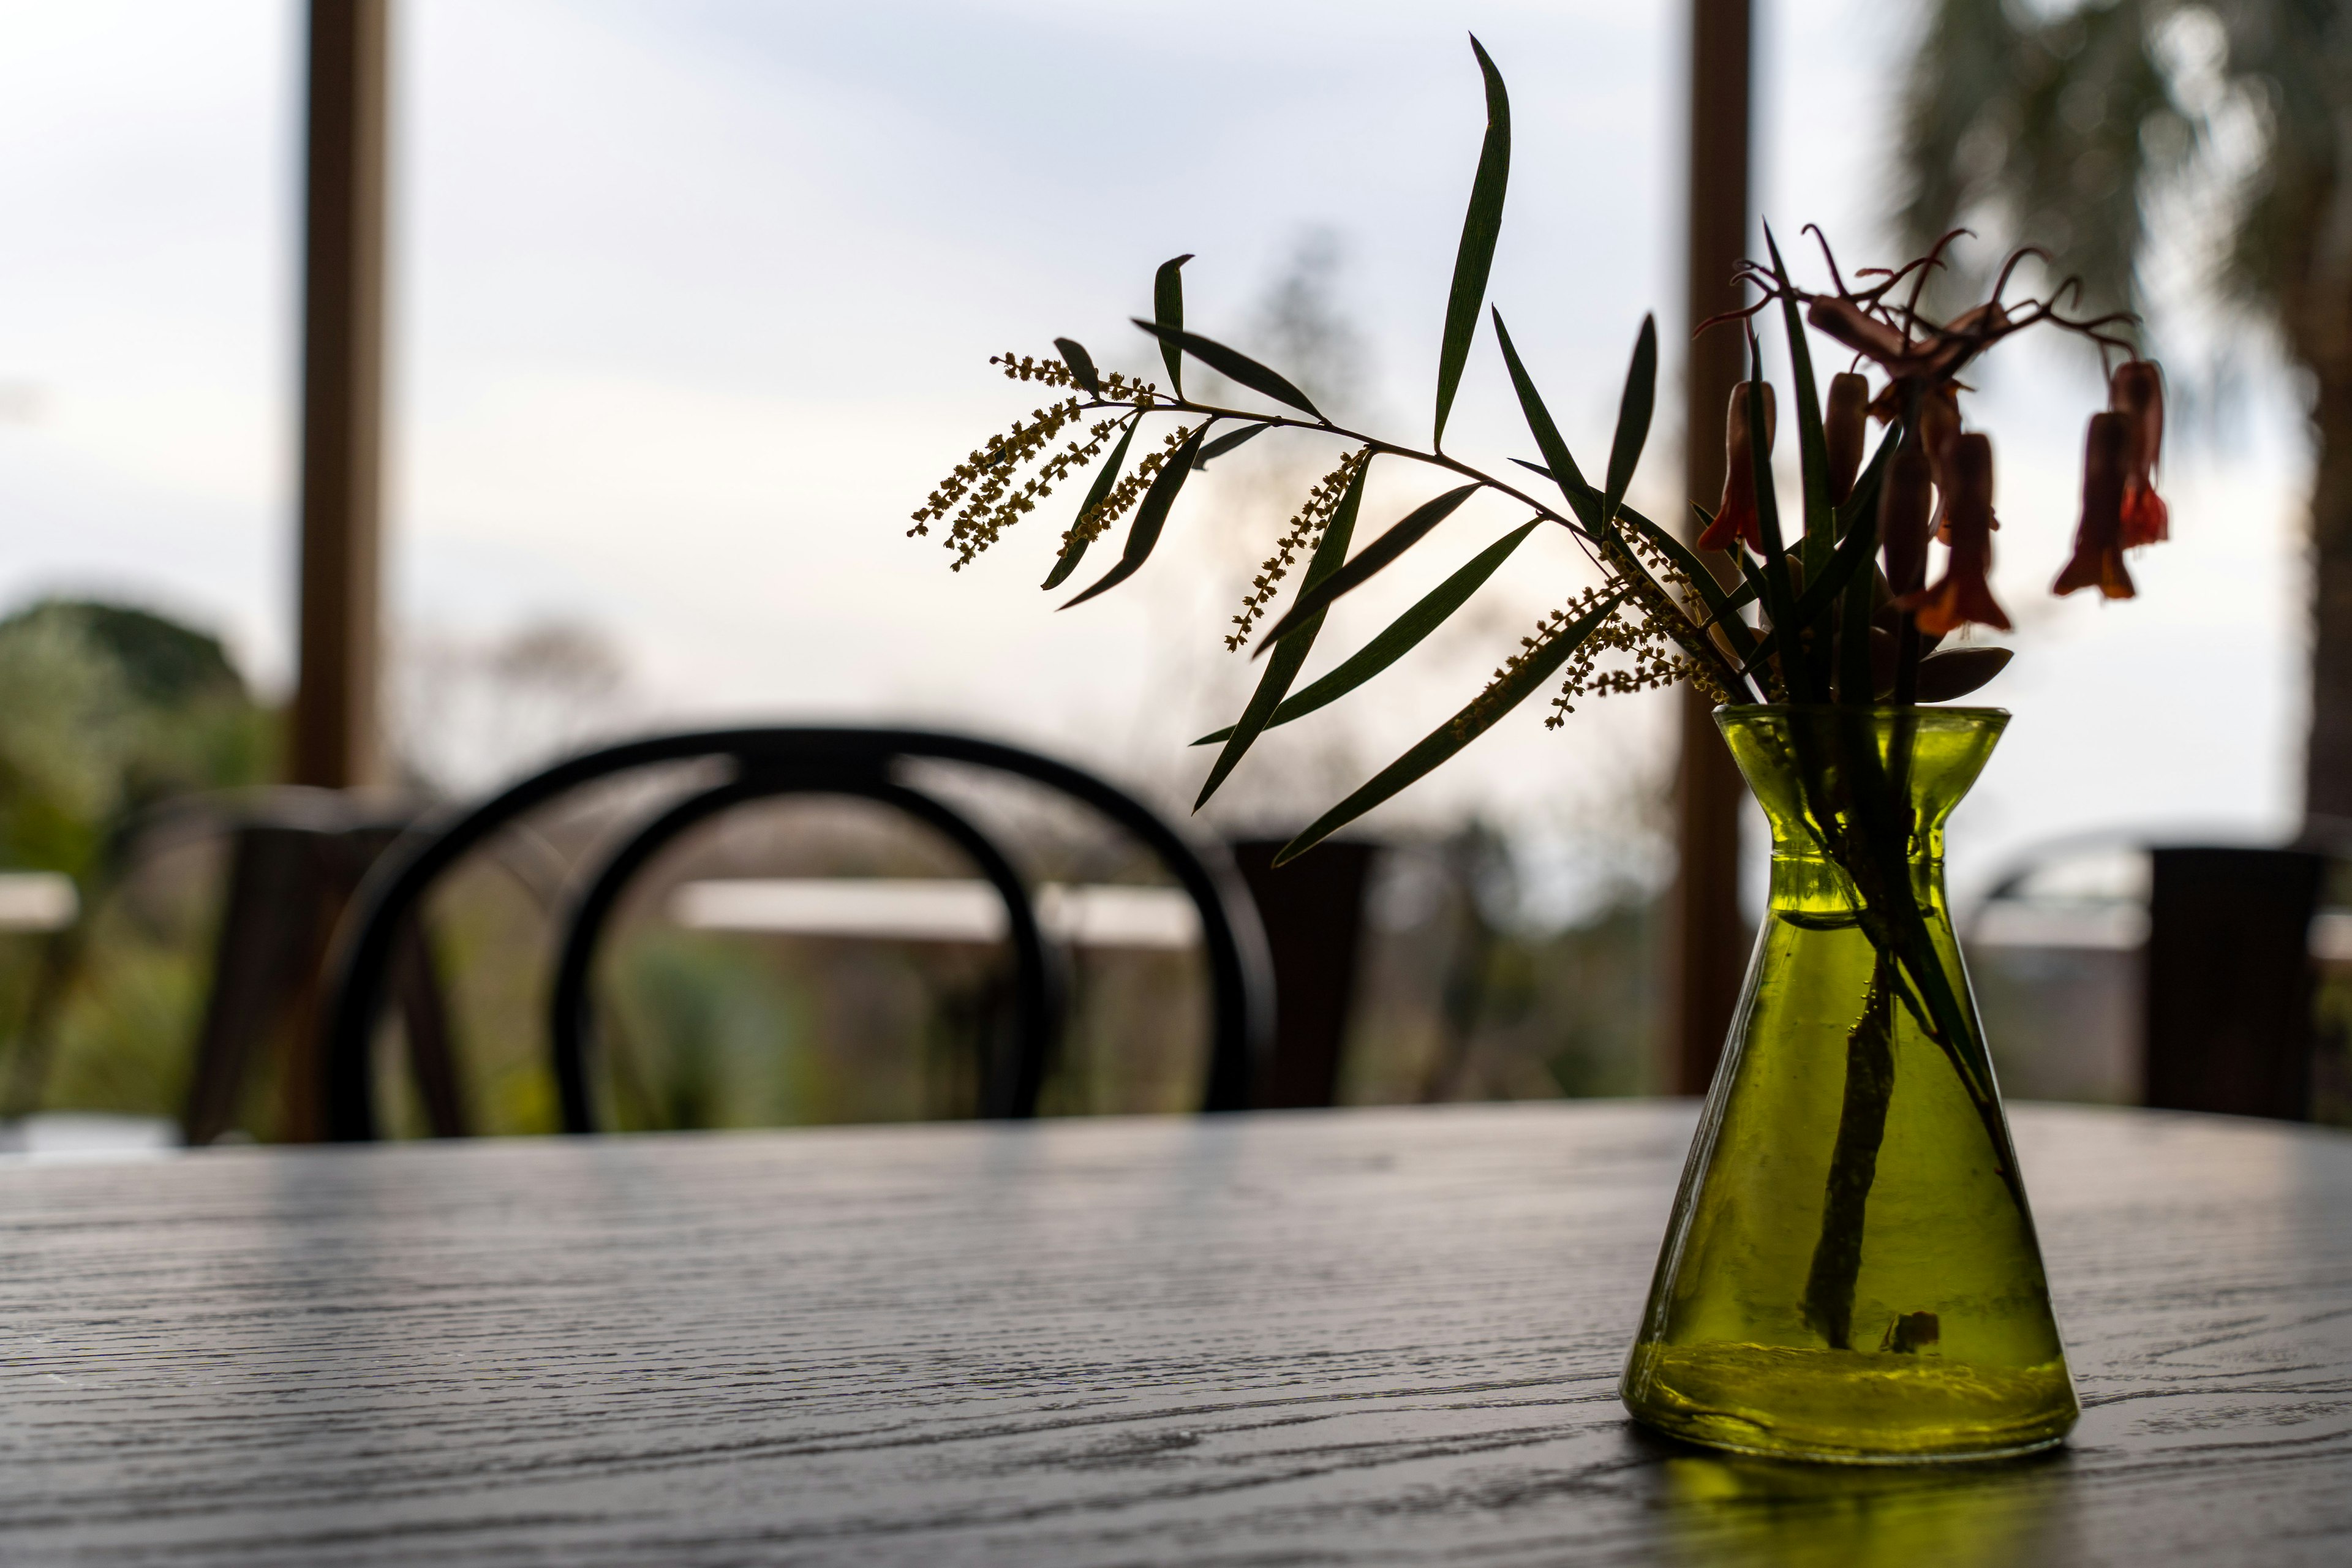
2098,559
1963,595
1844,426
1736,519
1903,516
1939,431
2138,393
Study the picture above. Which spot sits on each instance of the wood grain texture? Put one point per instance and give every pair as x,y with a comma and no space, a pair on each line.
1364,1337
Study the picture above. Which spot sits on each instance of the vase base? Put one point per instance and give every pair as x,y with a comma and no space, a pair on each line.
1848,1406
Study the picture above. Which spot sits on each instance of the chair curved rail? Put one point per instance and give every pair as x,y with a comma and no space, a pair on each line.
1008,1087
1241,1013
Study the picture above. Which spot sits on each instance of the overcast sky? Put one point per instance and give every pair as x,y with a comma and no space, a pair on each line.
692,303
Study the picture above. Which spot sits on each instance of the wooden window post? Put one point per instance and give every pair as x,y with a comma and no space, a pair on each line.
1706,937
334,733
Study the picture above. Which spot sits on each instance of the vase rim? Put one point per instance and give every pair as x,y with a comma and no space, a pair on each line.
1923,708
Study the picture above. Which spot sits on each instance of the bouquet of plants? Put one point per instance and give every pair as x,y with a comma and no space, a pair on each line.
1843,611
1826,629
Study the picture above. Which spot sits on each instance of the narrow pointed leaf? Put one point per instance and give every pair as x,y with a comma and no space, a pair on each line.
1564,471
1284,666
1168,306
1150,516
1853,552
1812,446
1481,225
1082,365
1779,591
1375,557
1230,364
1076,549
1456,732
1401,637
1856,678
1227,442
1633,410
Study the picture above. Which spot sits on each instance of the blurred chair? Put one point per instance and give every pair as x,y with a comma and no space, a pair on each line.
2230,980
769,764
2223,940
44,908
1313,909
295,857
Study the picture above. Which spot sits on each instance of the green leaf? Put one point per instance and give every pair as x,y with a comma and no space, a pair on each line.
1082,366
1779,593
1812,464
1857,679
1853,552
1481,227
1231,363
1283,668
1633,410
1226,443
1376,556
1076,548
1812,446
1149,517
1456,732
1401,637
1581,498
1168,306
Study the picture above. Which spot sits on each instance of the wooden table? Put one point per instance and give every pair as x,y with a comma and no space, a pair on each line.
1356,1337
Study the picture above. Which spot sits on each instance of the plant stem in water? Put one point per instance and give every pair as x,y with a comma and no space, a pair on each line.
1853,1162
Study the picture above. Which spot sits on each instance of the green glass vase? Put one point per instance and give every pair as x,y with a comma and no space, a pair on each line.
1851,1272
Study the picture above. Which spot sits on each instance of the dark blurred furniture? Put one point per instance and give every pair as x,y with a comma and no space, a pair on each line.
768,764
2230,980
1313,909
1370,1337
295,857
2225,969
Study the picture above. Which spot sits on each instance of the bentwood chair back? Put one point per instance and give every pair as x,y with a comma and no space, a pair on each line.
765,765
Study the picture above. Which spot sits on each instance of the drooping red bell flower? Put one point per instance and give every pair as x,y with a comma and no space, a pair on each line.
1963,595
2136,392
1902,515
1844,427
1939,431
2098,559
1736,518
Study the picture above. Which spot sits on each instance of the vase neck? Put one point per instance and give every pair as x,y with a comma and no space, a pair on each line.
1807,882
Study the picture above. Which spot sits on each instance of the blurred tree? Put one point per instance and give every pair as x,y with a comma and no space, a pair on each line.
2065,128
110,708
466,714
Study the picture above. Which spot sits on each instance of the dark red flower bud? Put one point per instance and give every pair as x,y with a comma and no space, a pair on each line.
1844,427
1987,320
1902,515
2136,392
2098,559
1857,329
1963,594
1736,518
